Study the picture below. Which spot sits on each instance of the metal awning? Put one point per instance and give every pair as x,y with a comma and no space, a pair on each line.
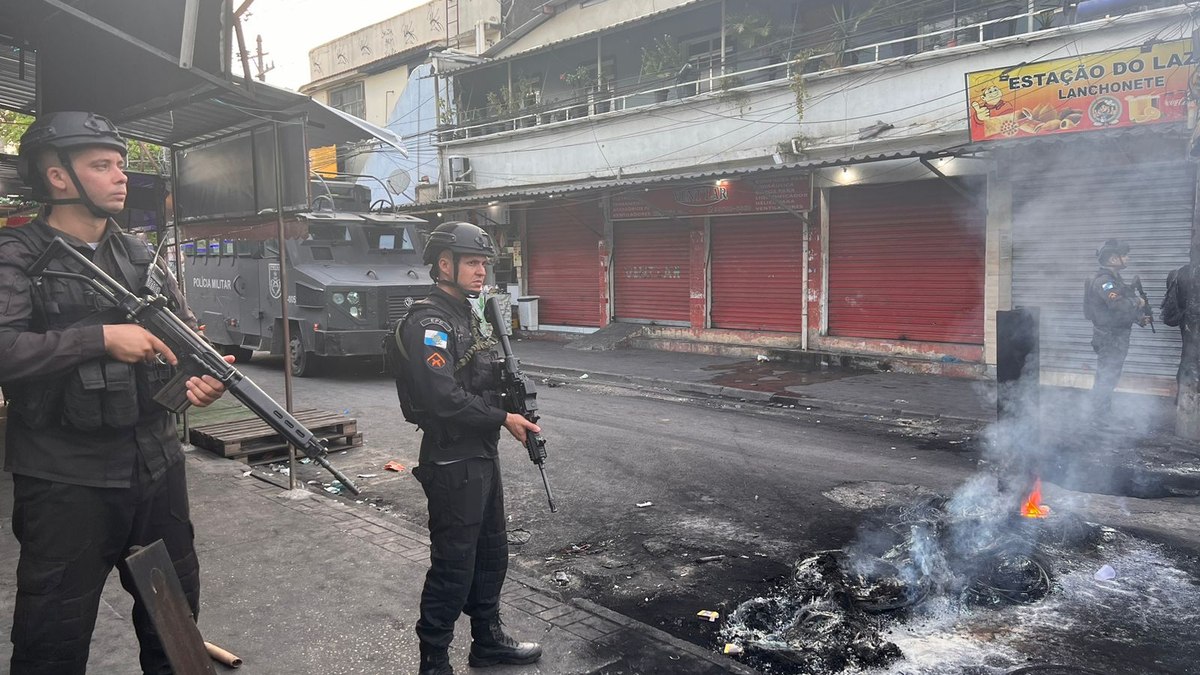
481,198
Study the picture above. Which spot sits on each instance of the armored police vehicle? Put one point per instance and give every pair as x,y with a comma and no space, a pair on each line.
351,276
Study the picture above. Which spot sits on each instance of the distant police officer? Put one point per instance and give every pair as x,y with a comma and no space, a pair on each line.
96,464
1113,307
446,383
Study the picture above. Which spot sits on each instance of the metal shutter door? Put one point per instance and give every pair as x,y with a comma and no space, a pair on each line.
906,262
1060,219
651,272
563,246
756,272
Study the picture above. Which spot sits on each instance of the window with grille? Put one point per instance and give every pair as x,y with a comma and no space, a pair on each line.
349,99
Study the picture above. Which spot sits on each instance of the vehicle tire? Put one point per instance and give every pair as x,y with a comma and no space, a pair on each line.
304,364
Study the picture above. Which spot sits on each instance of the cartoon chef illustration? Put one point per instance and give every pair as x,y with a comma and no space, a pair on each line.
991,104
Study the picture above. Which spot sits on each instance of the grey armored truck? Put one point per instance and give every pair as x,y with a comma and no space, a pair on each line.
351,276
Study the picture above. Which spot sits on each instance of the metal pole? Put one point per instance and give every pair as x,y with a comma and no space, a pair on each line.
283,298
178,261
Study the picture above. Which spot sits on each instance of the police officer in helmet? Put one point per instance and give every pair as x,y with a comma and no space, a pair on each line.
96,463
446,382
1113,307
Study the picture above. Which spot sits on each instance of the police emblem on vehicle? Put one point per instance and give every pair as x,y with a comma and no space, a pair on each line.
274,280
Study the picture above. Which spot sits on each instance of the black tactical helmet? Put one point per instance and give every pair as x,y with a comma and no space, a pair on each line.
64,132
460,239
1110,248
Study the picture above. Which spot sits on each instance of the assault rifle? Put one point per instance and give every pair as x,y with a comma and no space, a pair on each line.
518,395
196,356
1147,310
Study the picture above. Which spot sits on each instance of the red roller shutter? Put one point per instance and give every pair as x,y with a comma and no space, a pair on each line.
756,271
563,245
650,271
906,262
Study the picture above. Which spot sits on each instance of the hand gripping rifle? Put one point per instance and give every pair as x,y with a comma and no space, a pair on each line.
517,394
196,356
1147,310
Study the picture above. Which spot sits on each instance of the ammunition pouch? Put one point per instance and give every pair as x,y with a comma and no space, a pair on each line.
101,393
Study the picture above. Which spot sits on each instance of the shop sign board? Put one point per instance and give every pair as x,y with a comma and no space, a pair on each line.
1132,87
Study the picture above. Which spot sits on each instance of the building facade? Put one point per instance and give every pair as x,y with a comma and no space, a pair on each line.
842,178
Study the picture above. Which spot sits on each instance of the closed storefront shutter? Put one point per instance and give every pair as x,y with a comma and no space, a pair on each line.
756,271
563,245
1060,220
651,268
906,262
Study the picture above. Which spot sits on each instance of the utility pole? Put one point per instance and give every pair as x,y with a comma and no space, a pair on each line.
1187,403
258,62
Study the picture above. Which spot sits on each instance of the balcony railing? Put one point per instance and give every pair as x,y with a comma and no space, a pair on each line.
603,102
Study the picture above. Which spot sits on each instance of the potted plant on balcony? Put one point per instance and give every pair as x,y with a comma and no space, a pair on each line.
752,35
661,61
582,81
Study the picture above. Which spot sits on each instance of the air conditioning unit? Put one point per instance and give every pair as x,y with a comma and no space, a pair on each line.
460,169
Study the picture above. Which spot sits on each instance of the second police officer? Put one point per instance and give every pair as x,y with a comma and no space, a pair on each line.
1113,307
447,385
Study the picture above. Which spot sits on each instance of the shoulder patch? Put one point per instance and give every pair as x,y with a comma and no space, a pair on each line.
1113,295
436,360
435,321
1108,286
436,338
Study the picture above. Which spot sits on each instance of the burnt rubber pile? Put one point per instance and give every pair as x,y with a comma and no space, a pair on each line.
942,587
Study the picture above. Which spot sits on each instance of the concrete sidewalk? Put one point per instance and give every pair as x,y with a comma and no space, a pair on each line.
828,388
298,582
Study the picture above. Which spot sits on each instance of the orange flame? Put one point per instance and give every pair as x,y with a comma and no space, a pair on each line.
1033,507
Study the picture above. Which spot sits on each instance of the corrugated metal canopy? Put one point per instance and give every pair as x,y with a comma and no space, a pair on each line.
936,150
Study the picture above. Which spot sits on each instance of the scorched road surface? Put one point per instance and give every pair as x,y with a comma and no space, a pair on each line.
669,505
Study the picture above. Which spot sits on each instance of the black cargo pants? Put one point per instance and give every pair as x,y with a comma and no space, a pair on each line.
1111,346
71,537
469,545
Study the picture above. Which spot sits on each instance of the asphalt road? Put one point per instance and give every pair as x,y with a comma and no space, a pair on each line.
762,487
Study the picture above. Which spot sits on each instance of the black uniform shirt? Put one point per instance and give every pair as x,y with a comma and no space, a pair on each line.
461,403
1114,302
104,458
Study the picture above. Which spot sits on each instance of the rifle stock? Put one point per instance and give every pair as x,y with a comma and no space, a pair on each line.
518,394
196,357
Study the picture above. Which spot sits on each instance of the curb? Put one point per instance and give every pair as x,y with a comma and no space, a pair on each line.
751,395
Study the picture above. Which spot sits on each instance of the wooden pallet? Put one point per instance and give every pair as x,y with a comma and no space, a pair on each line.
280,454
251,437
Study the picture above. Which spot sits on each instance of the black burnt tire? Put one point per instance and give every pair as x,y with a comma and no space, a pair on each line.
304,363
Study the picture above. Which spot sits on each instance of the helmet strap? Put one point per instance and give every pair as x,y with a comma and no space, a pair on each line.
65,158
453,281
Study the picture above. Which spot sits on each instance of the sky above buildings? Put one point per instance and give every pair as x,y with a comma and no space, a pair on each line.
290,28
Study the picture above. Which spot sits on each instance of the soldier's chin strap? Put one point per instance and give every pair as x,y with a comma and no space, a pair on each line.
65,158
454,282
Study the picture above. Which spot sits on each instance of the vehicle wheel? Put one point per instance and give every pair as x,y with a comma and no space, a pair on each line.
304,364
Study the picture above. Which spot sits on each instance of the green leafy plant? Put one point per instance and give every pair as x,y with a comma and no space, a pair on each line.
663,58
582,76
508,100
749,31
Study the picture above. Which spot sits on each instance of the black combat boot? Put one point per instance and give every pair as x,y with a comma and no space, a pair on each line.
490,646
435,661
